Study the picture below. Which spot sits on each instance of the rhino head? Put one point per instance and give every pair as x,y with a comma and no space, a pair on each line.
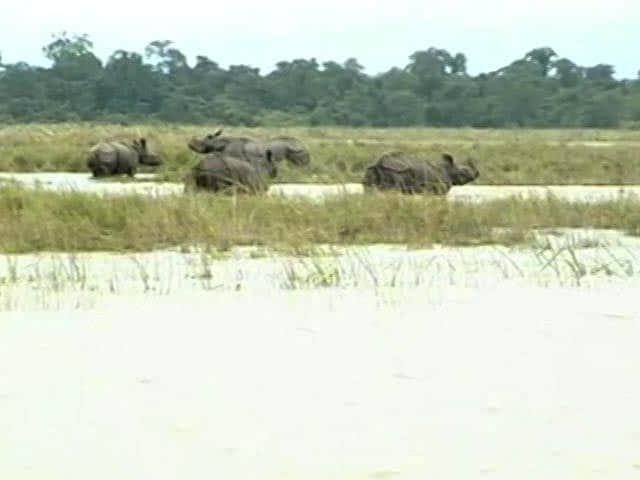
298,156
211,143
145,156
371,177
459,174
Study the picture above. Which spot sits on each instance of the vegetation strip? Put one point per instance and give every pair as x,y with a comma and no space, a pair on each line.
430,87
504,157
47,221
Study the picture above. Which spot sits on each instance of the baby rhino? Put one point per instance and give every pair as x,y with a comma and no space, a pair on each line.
116,158
219,172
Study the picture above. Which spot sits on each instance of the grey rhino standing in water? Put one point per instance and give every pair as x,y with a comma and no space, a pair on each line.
117,158
281,148
398,171
219,171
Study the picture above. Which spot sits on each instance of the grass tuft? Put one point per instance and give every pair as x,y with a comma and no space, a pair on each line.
49,221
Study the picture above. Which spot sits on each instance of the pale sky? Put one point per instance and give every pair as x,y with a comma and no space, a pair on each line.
380,34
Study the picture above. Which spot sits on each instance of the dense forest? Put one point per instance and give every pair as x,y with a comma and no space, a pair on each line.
433,89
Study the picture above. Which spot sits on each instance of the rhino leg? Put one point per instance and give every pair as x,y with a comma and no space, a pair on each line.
103,160
101,171
393,180
211,182
204,182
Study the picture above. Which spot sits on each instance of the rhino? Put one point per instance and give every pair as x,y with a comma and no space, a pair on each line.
219,171
117,158
397,171
281,148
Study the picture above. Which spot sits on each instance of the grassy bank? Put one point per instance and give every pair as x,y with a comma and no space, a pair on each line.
47,221
505,157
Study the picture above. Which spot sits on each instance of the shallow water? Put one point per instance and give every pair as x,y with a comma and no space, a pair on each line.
365,363
508,382
79,280
471,193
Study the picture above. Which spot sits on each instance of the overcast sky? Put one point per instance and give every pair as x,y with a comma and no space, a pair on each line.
380,34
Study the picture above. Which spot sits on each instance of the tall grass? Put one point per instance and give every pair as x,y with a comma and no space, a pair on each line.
340,154
48,221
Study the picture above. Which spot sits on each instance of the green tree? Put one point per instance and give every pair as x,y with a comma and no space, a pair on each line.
542,58
434,88
22,92
70,83
429,67
601,74
567,73
603,110
294,85
170,61
129,86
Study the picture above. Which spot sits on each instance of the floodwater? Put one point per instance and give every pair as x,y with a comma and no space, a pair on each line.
471,193
362,363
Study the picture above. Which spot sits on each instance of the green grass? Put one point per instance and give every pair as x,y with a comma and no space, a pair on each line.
49,221
505,157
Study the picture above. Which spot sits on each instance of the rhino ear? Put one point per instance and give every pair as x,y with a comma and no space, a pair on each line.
218,133
447,157
269,154
143,142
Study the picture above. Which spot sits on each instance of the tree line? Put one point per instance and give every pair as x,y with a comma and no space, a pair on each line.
540,89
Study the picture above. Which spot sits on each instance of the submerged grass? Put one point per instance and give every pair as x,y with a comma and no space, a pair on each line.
505,157
79,280
49,221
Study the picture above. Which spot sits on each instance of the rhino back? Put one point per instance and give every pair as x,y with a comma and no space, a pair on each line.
127,157
395,162
433,177
102,154
420,170
290,142
280,145
218,171
236,146
117,156
398,170
255,149
224,167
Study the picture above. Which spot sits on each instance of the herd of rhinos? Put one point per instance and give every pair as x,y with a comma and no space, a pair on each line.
240,163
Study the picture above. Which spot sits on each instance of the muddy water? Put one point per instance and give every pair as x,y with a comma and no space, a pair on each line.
365,363
471,193
560,258
503,381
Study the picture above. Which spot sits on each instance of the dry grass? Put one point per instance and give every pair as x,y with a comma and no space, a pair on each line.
47,221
